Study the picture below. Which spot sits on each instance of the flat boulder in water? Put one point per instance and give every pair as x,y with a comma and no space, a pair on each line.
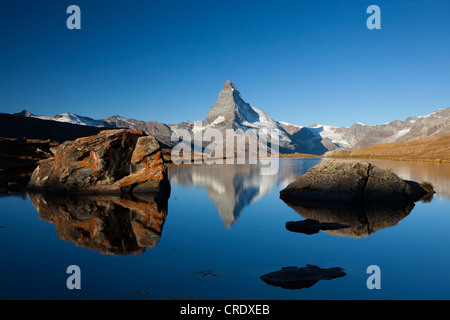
310,226
299,278
352,181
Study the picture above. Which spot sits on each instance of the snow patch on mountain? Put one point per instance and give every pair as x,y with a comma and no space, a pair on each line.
338,138
265,122
290,124
219,119
67,118
401,133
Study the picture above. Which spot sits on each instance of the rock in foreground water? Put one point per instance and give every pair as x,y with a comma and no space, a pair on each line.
112,162
299,278
311,226
352,181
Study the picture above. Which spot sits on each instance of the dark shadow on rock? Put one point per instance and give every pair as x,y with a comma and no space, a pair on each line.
299,278
310,226
424,191
118,225
362,219
18,159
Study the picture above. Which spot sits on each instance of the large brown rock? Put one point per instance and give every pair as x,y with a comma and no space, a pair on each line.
111,162
352,181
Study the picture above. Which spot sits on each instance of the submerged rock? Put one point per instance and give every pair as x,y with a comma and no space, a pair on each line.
112,162
310,226
299,278
352,181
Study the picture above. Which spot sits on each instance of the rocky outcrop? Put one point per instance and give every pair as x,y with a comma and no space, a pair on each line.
110,224
162,132
299,278
352,181
112,162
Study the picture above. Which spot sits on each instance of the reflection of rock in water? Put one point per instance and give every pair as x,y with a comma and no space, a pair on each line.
363,219
299,278
109,224
233,187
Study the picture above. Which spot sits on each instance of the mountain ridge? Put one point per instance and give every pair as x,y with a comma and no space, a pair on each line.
230,111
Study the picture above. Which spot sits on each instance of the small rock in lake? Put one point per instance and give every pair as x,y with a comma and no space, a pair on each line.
299,278
310,226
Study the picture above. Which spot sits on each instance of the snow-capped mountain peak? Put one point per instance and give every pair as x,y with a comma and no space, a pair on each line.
230,86
24,113
68,117
230,111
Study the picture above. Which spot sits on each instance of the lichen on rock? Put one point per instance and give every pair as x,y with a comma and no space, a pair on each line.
111,162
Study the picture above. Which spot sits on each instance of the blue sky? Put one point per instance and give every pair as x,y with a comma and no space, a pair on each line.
300,62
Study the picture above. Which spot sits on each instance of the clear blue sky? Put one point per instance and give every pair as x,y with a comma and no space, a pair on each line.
302,62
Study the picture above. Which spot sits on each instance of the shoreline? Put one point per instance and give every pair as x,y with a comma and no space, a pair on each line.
368,157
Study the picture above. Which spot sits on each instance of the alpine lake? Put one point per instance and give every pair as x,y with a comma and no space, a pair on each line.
223,227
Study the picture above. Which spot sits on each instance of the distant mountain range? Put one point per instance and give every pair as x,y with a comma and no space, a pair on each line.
230,111
161,131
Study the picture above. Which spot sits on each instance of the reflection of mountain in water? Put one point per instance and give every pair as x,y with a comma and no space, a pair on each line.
363,219
232,187
109,224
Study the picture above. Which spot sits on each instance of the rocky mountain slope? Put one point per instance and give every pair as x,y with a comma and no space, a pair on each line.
230,111
15,126
436,124
161,131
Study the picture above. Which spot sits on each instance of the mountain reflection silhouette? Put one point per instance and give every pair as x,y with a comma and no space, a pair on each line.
233,187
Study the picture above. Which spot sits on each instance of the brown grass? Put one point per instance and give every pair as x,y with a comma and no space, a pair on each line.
432,150
297,155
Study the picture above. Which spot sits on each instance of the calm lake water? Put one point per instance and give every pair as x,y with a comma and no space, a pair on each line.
221,230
